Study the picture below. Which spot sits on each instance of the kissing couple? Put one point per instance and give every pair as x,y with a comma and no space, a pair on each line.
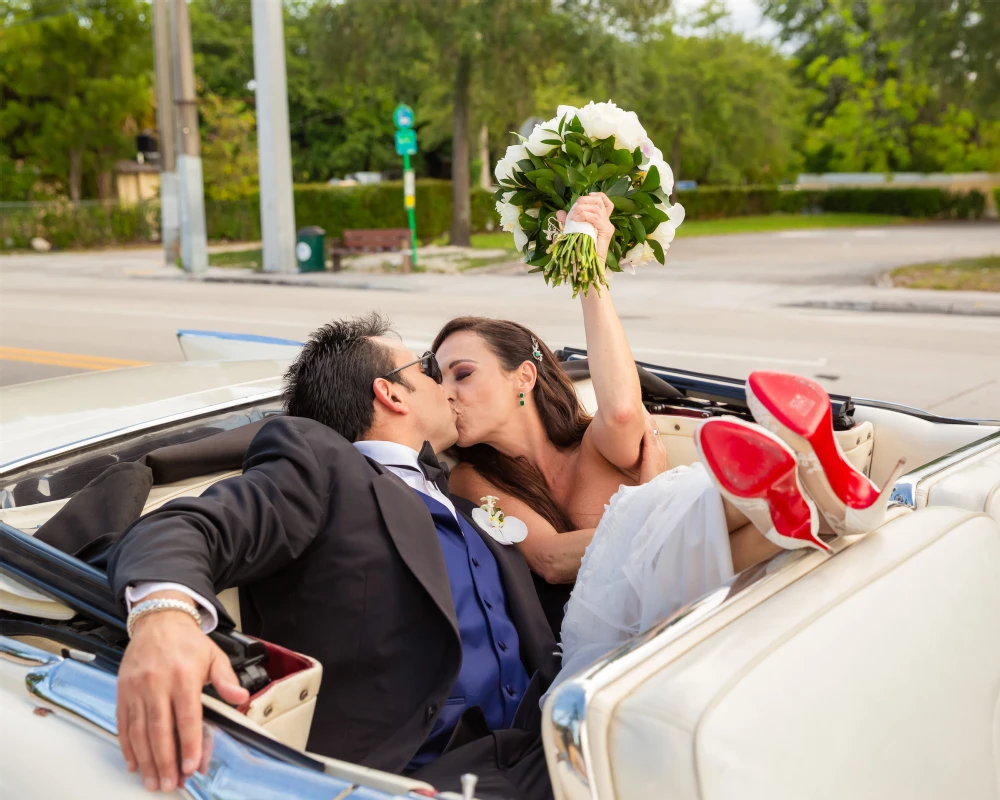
349,542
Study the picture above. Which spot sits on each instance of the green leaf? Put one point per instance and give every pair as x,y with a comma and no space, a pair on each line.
560,186
652,180
559,170
552,141
591,171
619,188
588,153
546,185
638,230
535,174
642,200
658,251
623,158
578,177
537,161
607,171
498,194
526,165
541,259
528,223
574,150
658,214
622,203
637,156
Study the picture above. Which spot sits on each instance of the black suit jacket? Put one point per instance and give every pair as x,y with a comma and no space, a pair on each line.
337,558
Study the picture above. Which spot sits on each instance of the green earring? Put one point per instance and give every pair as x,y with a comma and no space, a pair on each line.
521,395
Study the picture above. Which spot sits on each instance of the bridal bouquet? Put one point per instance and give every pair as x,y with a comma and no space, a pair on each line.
597,148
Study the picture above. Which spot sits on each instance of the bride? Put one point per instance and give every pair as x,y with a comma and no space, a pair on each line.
607,520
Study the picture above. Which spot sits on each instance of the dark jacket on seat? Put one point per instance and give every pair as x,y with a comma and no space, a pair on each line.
337,558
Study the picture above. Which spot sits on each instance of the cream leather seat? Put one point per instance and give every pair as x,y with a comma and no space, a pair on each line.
972,484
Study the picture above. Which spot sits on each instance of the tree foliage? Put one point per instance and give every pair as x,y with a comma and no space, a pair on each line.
75,83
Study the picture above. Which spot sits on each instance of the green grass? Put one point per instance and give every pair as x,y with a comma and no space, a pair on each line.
782,222
237,258
719,227
970,274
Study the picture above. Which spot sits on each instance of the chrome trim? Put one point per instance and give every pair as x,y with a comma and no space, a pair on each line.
44,455
929,416
565,716
26,654
904,492
86,696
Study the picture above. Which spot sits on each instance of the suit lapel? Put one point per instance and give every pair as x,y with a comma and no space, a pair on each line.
413,533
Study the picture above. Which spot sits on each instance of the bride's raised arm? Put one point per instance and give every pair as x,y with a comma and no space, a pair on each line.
618,426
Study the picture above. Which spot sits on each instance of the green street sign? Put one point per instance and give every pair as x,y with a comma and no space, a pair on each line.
403,116
406,142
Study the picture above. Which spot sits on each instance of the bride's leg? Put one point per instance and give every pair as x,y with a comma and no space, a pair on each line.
749,547
735,519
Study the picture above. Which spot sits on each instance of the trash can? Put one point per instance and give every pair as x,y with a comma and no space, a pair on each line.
309,249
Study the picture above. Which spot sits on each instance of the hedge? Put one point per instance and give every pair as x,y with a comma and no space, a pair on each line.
336,208
91,224
95,224
711,203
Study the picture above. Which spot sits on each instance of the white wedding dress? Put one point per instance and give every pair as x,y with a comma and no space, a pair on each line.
658,547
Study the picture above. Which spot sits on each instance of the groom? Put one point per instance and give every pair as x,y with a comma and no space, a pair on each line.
346,546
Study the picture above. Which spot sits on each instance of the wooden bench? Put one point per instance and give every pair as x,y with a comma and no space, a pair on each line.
374,240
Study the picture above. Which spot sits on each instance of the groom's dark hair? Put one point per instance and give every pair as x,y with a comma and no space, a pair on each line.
331,380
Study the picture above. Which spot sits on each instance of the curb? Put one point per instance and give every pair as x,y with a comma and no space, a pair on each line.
899,308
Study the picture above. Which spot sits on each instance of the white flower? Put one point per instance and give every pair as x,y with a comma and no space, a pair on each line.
639,256
510,219
507,166
506,530
602,120
665,231
547,130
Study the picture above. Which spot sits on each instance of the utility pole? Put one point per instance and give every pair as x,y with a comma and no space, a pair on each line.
194,242
274,148
170,233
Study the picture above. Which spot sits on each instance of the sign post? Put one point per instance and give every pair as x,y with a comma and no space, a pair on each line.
406,146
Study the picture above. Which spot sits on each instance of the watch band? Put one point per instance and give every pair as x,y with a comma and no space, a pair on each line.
152,606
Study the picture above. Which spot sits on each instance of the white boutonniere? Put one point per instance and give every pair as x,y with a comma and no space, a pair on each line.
489,517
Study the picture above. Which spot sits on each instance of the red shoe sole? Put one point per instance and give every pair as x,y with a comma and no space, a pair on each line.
803,406
750,465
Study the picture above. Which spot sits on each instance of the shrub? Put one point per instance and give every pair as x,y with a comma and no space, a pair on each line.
335,208
89,224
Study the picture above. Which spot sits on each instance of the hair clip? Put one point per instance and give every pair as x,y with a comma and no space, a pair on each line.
537,352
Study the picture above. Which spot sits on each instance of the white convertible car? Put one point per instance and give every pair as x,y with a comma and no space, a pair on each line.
873,672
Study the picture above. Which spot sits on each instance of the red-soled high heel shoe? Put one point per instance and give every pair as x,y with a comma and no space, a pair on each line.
758,473
798,410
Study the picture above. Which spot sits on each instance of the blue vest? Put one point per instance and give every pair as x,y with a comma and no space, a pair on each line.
492,675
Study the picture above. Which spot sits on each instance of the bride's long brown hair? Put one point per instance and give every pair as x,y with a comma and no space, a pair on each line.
563,417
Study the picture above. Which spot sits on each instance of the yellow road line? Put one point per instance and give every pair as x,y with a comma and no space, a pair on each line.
72,360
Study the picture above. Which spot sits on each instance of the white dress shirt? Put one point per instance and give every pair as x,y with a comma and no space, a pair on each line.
400,460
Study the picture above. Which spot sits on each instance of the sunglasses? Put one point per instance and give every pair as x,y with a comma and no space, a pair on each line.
428,365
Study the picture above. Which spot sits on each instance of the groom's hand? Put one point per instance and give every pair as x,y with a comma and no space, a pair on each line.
165,666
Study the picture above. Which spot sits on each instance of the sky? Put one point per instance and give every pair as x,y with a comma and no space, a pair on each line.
745,17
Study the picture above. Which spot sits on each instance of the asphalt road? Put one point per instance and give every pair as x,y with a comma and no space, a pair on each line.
725,305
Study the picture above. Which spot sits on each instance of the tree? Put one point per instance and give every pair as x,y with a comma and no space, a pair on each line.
899,85
722,109
73,80
448,56
229,148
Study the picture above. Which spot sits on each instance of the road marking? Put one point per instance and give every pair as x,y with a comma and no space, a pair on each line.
73,360
800,362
